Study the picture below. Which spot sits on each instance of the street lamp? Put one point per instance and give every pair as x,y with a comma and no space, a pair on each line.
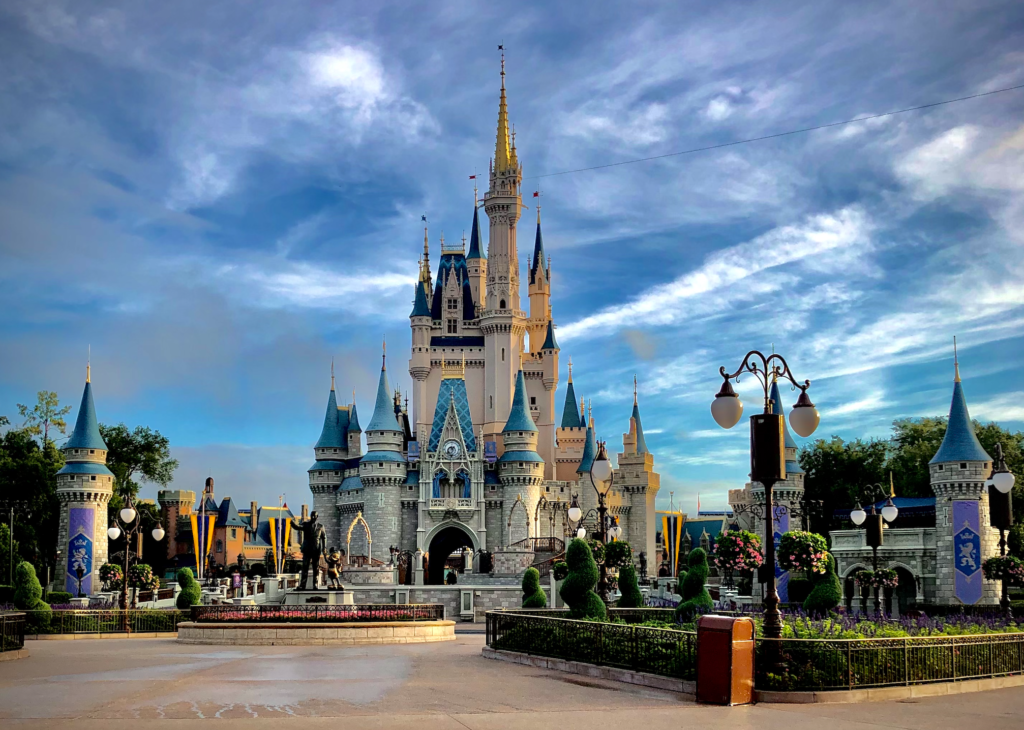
874,525
126,522
767,449
600,474
1000,510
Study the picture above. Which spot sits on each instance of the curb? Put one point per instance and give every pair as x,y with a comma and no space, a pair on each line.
118,635
7,656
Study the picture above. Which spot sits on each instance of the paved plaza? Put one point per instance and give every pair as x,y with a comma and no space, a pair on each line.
112,684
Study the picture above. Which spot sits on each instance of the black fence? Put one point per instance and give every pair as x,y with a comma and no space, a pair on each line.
113,621
12,631
322,614
666,652
835,664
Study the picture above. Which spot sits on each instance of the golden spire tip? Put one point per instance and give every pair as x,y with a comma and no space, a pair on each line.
570,369
88,366
634,388
956,363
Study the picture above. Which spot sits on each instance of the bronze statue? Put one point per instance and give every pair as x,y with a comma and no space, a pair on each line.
314,544
334,569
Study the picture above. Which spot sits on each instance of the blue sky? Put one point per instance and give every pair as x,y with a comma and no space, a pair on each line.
219,197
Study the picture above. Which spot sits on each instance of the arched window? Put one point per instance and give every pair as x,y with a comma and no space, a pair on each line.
501,304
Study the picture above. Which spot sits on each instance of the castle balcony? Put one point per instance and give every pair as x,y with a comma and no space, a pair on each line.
444,507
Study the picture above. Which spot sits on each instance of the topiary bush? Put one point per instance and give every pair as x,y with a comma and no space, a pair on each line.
533,596
827,592
191,593
618,554
578,588
58,597
631,595
696,598
28,596
560,569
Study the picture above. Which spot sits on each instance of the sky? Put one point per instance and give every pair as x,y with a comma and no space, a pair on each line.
220,197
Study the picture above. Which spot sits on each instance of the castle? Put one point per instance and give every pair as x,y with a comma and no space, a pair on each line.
481,462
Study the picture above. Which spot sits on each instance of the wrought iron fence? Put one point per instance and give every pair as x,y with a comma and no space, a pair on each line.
657,651
834,664
113,621
322,614
12,631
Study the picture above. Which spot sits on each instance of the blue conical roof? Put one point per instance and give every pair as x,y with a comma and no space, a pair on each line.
420,308
538,253
776,399
87,431
353,417
331,436
641,444
383,418
570,416
475,249
549,342
519,418
960,442
589,452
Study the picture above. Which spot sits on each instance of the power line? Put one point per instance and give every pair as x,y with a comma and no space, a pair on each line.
777,134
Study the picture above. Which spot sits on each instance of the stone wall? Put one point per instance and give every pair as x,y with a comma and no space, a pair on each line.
512,561
368,576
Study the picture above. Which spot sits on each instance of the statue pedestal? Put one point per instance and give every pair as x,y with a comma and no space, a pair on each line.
300,597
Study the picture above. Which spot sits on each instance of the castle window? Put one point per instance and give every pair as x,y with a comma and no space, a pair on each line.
453,327
220,546
92,451
963,464
503,349
234,533
381,465
92,478
453,304
492,401
533,400
501,304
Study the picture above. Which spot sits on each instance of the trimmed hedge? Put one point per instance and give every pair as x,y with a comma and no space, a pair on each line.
58,597
578,588
696,598
533,596
827,593
631,595
28,596
191,592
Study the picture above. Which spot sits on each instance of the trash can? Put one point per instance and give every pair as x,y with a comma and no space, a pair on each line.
725,660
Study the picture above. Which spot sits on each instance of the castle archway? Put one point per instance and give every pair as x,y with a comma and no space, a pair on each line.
444,542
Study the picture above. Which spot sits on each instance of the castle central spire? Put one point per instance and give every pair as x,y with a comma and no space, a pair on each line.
502,145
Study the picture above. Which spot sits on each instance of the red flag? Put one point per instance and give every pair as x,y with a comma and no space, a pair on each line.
472,177
536,194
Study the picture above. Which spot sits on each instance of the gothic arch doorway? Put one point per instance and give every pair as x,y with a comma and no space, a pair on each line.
445,542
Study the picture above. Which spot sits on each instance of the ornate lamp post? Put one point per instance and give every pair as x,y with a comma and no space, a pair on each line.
1000,505
600,473
767,450
129,521
874,525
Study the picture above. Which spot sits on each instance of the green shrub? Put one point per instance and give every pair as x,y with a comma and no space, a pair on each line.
533,596
631,595
28,596
191,593
58,597
696,598
799,588
560,569
827,593
578,588
6,594
618,554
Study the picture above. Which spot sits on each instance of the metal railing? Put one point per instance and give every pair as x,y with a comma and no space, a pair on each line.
541,544
113,621
837,664
321,614
666,652
12,631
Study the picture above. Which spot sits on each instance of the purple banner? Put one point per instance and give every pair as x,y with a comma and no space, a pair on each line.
967,551
780,524
80,528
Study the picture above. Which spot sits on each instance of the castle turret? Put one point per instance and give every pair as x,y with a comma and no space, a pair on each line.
570,437
540,293
355,445
521,468
328,470
383,468
639,483
476,261
963,537
419,321
84,487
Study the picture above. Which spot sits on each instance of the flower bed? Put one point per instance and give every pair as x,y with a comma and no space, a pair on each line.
84,621
319,614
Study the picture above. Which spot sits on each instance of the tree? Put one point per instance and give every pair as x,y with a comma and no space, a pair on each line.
143,452
28,484
631,595
827,592
533,595
835,471
578,587
8,554
914,443
696,598
28,596
46,413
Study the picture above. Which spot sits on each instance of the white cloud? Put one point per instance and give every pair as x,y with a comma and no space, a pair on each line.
1006,407
934,168
820,235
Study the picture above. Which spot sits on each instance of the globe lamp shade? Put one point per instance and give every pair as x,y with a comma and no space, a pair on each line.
1003,481
727,408
804,416
601,470
127,515
858,516
158,533
581,533
575,513
113,533
889,511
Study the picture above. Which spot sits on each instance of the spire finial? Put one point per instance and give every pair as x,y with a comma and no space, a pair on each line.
384,352
353,396
892,487
332,373
634,388
570,368
88,365
590,413
956,363
502,152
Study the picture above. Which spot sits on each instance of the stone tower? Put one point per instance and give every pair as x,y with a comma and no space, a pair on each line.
639,483
570,437
963,538
84,487
521,468
382,470
327,472
502,322
476,261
